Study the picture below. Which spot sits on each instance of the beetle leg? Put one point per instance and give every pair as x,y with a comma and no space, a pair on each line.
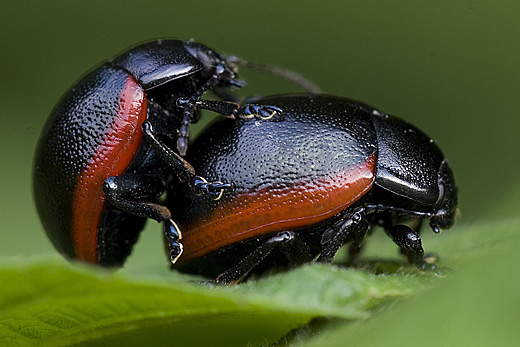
284,240
180,166
297,251
262,112
190,107
411,245
408,240
225,108
213,189
352,227
428,257
233,110
173,235
126,192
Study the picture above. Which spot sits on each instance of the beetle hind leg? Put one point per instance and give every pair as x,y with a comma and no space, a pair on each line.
129,192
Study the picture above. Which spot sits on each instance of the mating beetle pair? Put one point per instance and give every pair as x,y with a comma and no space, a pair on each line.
106,155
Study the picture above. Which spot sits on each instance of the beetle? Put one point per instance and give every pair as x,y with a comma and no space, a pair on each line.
319,177
105,154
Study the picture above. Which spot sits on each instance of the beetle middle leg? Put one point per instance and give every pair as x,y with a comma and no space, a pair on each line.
181,167
286,241
353,226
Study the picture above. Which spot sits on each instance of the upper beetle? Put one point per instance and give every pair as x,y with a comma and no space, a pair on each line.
303,186
105,153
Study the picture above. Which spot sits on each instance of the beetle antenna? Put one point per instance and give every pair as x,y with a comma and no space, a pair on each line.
287,74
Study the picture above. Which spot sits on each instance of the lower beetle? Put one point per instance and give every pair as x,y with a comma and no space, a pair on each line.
307,184
95,179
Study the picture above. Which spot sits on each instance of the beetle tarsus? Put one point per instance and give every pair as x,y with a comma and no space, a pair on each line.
214,189
435,227
173,235
262,112
182,145
233,110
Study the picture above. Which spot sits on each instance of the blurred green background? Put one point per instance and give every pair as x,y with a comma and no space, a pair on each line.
449,67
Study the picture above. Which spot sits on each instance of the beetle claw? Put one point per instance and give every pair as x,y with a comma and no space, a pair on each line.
262,112
173,236
213,189
182,145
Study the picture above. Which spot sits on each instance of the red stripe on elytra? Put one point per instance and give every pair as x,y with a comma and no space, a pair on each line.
270,210
119,146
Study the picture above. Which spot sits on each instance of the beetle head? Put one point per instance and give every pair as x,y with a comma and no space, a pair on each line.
224,71
447,203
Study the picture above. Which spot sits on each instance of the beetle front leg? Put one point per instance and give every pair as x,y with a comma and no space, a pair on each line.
213,189
411,245
192,103
225,108
408,240
228,109
234,110
262,112
190,107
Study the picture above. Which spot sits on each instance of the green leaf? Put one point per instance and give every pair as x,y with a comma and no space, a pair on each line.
50,302
477,305
54,303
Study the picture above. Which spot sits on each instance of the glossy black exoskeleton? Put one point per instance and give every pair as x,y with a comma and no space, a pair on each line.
321,176
106,151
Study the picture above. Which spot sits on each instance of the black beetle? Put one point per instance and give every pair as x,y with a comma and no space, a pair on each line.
305,185
95,180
